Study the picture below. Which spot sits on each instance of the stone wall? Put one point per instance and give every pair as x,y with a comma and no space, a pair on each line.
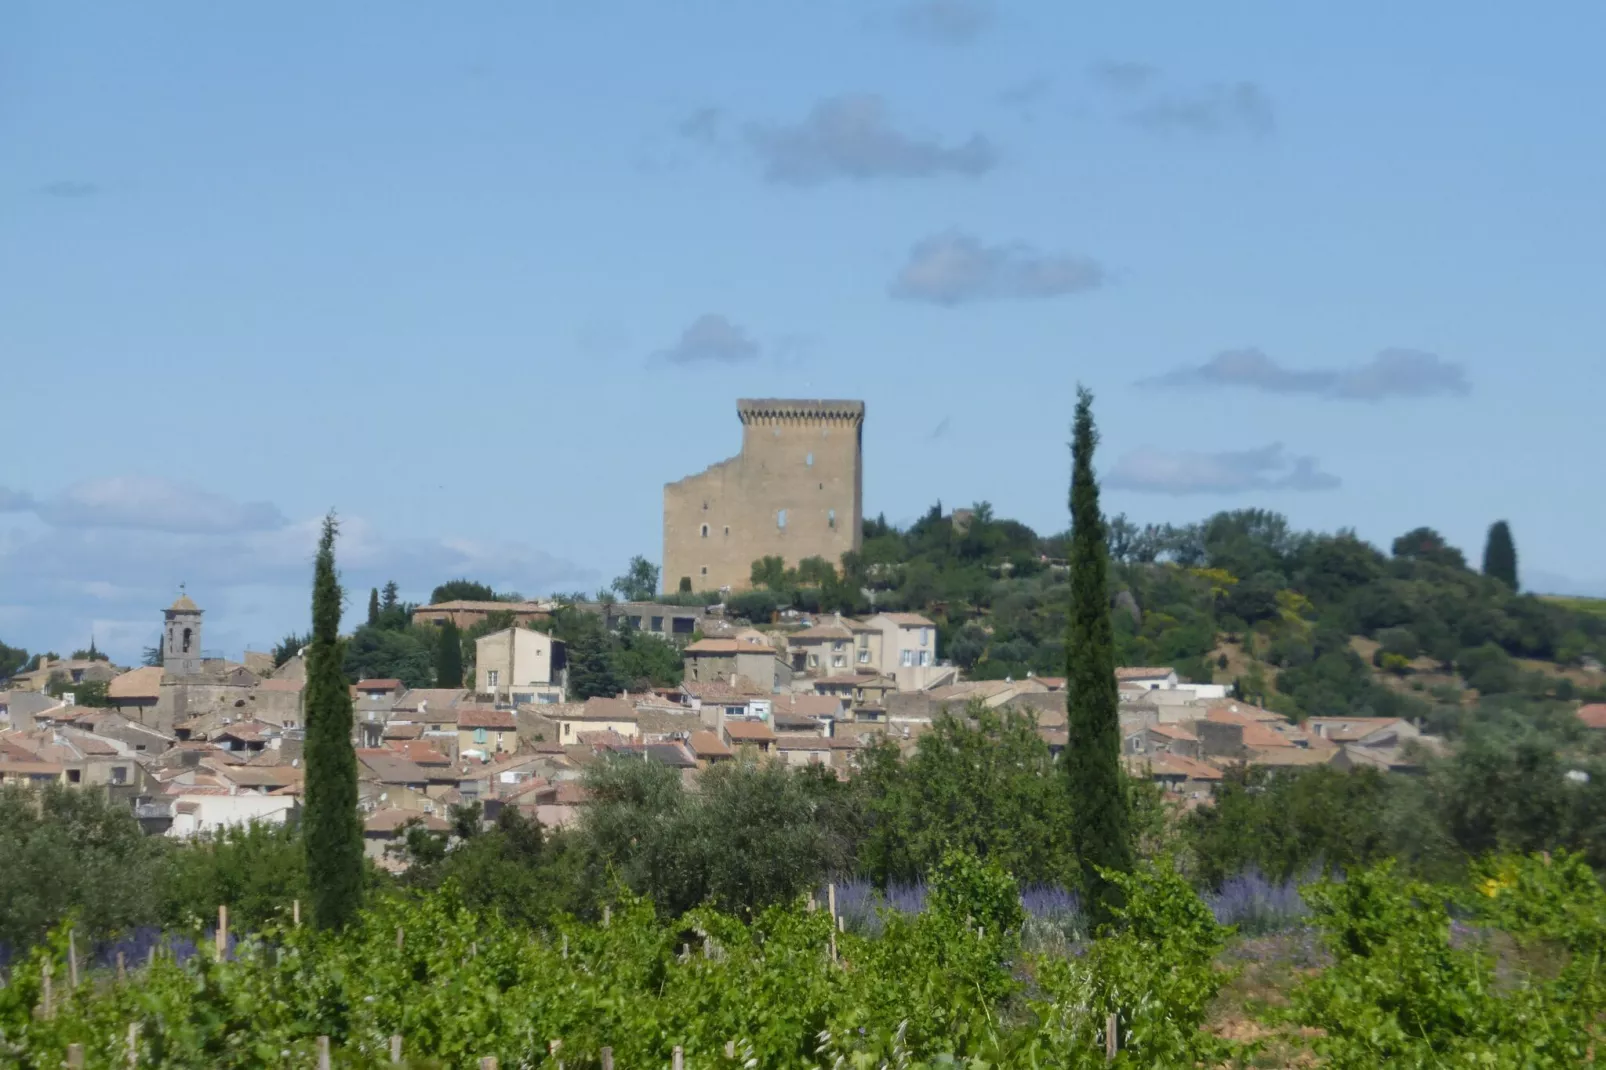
795,491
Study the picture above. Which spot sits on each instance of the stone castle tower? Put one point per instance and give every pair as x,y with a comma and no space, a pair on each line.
795,491
181,638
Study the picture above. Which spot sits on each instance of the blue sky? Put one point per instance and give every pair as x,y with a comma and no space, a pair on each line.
485,278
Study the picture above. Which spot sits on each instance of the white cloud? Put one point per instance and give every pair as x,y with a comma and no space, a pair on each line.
1406,373
711,339
852,137
1267,468
954,268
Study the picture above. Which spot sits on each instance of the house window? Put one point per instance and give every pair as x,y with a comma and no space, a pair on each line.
491,677
780,519
838,661
479,735
119,774
635,623
74,776
830,518
658,624
925,636
78,676
925,657
705,531
814,661
907,658
840,644
864,655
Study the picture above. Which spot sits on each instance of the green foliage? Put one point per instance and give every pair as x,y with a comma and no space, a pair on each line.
753,835
448,655
639,582
644,660
1500,555
255,870
12,659
984,784
406,653
1287,823
373,607
975,893
84,692
462,591
593,670
1093,751
333,829
289,647
70,852
1403,992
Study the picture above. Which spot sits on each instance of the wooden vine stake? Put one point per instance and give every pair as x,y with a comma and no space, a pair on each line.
323,1053
75,1056
401,937
72,959
133,1044
553,1048
47,1003
122,968
395,1047
607,915
730,1049
607,1059
295,912
488,1063
150,956
1112,1037
677,1059
222,932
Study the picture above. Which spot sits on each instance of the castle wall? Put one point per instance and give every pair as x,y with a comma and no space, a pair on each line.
795,491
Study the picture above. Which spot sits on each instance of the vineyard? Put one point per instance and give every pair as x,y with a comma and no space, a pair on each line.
1506,973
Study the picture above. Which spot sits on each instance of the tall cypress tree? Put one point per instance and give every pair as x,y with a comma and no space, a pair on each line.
333,831
1500,554
373,607
449,656
1093,750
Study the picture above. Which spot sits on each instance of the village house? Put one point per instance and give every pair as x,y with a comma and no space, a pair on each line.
827,648
735,661
708,748
743,734
466,613
387,828
520,666
908,651
675,624
485,731
66,671
598,715
865,694
135,693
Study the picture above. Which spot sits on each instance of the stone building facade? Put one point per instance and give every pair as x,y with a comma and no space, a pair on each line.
795,491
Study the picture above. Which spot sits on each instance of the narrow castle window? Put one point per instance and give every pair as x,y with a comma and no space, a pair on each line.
809,460
830,517
727,529
780,522
705,531
186,640
705,570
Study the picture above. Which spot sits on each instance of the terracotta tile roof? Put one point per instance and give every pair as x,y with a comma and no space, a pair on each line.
1243,713
826,629
1173,731
1170,764
404,731
749,732
563,793
19,767
394,820
1053,683
706,744
719,691
137,684
485,717
605,737
419,752
1143,672
1258,735
386,684
438,699
603,709
907,620
389,767
1287,756
265,776
486,607
277,684
252,731
1348,729
185,604
1593,715
728,646
807,705
801,742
